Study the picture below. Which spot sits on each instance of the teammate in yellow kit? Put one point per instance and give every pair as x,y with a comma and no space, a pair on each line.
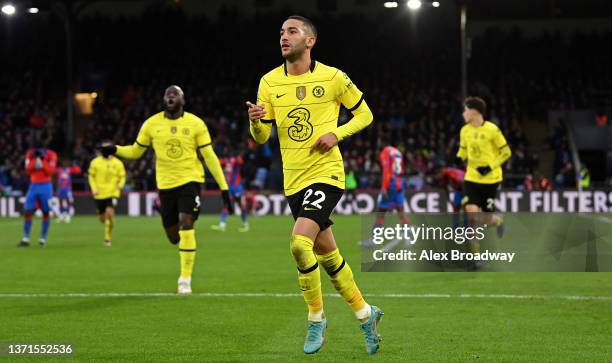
303,98
178,138
106,177
485,148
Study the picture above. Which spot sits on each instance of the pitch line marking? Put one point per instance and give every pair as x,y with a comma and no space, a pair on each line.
295,295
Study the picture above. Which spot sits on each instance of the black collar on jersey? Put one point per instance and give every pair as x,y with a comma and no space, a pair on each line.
313,63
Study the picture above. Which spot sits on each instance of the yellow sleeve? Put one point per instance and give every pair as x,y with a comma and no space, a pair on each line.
91,177
260,130
144,135
121,175
462,152
346,91
352,98
214,166
500,142
136,150
203,136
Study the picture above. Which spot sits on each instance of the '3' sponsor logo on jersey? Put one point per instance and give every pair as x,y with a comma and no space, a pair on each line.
302,129
174,149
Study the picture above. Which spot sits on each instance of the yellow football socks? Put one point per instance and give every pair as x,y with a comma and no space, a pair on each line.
187,252
309,276
108,228
341,276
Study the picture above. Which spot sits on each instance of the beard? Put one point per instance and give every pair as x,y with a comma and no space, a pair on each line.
295,52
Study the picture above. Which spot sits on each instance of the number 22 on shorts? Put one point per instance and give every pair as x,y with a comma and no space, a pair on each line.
314,204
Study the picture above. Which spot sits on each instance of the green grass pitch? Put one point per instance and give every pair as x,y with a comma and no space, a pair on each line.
515,317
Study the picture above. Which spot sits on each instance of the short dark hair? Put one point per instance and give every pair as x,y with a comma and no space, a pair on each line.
476,103
307,23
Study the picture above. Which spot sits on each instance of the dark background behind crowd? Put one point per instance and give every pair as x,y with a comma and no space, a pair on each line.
410,84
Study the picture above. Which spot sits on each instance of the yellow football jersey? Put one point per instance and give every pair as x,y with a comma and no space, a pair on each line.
483,146
175,143
106,177
305,107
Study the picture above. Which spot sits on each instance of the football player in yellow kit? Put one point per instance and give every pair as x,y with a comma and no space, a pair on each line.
484,147
303,98
178,138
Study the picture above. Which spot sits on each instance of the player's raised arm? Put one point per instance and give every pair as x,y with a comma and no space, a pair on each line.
134,151
261,115
48,163
260,128
31,163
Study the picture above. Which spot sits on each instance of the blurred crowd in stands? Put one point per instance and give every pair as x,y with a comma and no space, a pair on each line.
415,98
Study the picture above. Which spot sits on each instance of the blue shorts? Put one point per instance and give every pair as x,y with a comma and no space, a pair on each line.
64,193
395,198
236,191
41,193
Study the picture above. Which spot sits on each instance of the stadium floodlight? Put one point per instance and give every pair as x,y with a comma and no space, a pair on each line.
435,4
33,10
391,4
414,4
8,9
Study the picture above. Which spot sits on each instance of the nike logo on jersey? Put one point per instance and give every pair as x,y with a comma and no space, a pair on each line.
279,96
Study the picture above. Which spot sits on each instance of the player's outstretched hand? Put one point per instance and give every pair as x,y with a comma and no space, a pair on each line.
226,199
325,143
484,170
107,148
256,112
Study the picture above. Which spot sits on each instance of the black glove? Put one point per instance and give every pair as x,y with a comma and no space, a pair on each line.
226,199
484,170
107,149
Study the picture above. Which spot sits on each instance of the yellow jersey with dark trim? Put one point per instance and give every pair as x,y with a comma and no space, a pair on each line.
175,143
481,146
304,108
106,177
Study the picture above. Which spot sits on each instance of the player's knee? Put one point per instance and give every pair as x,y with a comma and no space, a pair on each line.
472,208
295,248
302,250
186,221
